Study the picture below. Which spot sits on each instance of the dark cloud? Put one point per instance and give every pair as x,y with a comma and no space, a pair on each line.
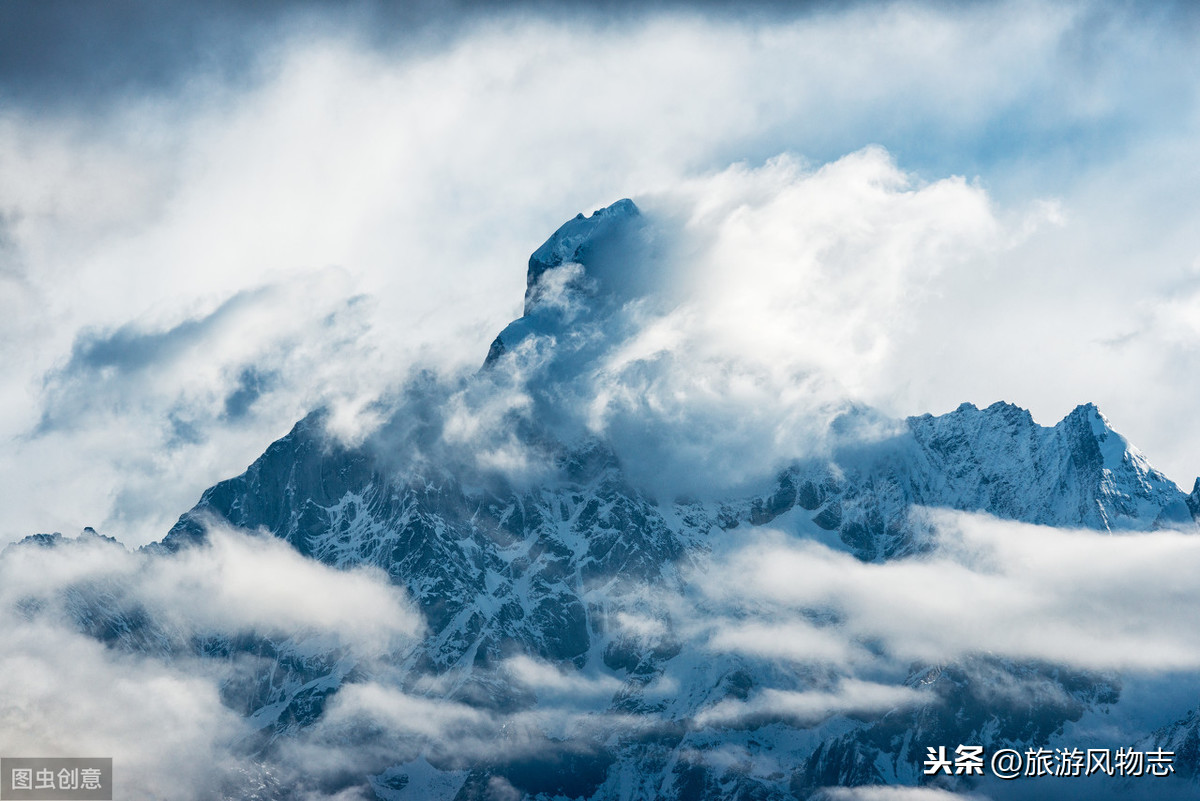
51,51
131,348
251,384
56,53
104,362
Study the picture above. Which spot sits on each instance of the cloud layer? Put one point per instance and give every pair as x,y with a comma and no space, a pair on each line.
1011,590
102,648
103,653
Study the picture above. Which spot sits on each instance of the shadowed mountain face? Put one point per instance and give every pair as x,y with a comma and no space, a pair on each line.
581,572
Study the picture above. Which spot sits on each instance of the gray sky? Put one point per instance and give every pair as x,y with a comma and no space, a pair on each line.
56,53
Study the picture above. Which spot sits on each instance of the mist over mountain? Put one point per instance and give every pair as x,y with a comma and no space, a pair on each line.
597,566
801,450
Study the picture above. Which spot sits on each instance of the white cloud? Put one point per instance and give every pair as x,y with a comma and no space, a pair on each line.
1008,590
642,627
873,793
67,695
235,583
410,715
373,210
791,286
551,682
1011,591
99,657
809,707
791,639
374,725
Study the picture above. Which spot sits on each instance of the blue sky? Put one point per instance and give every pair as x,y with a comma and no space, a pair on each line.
214,221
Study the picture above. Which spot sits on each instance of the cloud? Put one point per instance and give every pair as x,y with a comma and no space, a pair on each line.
791,639
126,223
893,794
234,583
816,269
808,708
500,789
994,202
550,682
377,727
432,718
791,285
67,695
775,295
104,645
831,637
1004,589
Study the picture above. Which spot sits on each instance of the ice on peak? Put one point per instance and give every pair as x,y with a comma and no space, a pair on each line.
576,241
1079,470
589,266
1086,419
968,414
1004,407
1193,500
1091,413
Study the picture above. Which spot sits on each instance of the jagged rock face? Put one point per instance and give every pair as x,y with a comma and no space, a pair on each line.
1080,472
588,267
494,575
547,571
1183,738
445,542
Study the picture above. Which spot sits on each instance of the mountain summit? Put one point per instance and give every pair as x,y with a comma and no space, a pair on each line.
589,266
586,241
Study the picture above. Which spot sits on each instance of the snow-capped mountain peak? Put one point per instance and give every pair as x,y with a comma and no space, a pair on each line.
586,241
586,270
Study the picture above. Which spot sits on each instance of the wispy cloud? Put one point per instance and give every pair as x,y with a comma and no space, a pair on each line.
810,707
